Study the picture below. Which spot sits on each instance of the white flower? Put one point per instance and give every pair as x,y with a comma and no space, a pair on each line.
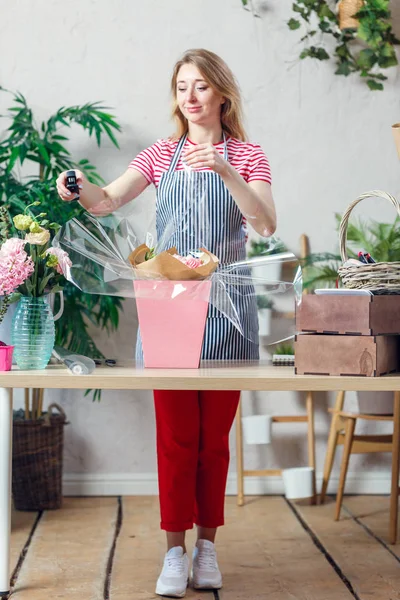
39,239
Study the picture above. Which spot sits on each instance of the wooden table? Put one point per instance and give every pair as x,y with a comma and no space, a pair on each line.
254,376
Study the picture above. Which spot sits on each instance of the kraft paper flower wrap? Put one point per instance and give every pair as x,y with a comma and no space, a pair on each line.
168,266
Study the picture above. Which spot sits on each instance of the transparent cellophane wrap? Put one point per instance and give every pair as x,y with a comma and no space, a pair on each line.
110,252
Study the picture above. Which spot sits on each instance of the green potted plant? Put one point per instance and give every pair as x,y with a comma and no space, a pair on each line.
381,240
38,436
362,42
265,306
266,247
284,349
43,145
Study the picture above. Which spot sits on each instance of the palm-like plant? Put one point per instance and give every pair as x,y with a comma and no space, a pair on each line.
44,144
381,240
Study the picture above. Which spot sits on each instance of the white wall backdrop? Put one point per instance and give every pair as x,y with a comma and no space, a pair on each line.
328,139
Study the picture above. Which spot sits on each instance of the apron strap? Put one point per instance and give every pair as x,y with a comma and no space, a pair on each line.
179,148
177,154
225,147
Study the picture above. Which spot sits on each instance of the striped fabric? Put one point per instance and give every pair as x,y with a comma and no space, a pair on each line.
248,159
215,222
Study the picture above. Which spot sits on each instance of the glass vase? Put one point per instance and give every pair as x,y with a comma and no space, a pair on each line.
33,333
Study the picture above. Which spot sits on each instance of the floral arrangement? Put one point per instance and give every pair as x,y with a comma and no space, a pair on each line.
190,261
169,264
29,265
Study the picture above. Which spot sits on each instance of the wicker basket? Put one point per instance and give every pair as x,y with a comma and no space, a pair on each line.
381,277
37,461
347,10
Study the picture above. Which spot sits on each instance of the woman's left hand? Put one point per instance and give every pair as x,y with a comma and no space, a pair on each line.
206,155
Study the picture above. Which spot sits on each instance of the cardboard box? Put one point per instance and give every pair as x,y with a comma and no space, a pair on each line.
368,356
349,315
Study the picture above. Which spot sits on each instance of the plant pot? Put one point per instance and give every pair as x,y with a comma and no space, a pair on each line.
37,461
298,482
257,429
6,324
347,9
269,272
264,321
396,135
172,317
6,355
33,333
375,403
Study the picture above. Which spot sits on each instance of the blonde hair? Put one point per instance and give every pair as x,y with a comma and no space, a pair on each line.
219,76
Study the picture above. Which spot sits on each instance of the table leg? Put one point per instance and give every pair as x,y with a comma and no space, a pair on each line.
5,488
394,494
311,442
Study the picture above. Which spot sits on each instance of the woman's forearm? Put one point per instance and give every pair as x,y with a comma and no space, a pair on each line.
102,201
259,209
92,196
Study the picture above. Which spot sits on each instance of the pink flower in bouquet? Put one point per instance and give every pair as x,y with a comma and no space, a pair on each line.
189,261
64,262
15,265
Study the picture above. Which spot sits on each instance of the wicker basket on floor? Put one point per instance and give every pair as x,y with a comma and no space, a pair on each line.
347,9
37,461
380,277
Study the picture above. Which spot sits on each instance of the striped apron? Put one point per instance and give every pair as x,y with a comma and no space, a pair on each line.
212,221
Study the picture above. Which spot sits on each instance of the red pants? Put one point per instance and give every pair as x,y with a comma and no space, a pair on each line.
193,455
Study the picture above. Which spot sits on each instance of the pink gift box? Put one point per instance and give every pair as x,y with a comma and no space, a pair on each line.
6,354
172,317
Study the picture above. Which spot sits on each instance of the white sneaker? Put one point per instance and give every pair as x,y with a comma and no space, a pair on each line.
174,577
205,571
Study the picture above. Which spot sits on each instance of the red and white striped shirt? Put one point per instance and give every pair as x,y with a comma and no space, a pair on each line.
248,159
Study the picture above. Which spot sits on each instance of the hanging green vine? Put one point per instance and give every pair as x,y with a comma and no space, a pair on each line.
365,48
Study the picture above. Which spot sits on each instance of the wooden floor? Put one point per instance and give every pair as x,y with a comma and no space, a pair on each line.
270,549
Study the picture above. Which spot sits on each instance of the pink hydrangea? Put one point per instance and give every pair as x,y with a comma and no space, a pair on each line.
15,265
64,262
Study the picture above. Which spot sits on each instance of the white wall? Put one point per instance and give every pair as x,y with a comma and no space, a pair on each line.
328,139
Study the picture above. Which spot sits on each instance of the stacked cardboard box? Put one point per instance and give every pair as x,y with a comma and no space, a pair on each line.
347,335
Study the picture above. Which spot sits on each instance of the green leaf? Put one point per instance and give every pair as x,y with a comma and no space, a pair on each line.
387,56
44,282
380,5
324,26
293,24
344,68
43,153
374,85
59,137
315,52
326,12
366,59
13,158
110,135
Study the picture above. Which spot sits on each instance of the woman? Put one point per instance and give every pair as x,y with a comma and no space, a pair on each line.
193,427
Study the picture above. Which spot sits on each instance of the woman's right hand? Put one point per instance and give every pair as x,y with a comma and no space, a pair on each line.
62,190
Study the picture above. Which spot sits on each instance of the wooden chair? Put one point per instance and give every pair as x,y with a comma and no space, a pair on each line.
342,433
242,472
